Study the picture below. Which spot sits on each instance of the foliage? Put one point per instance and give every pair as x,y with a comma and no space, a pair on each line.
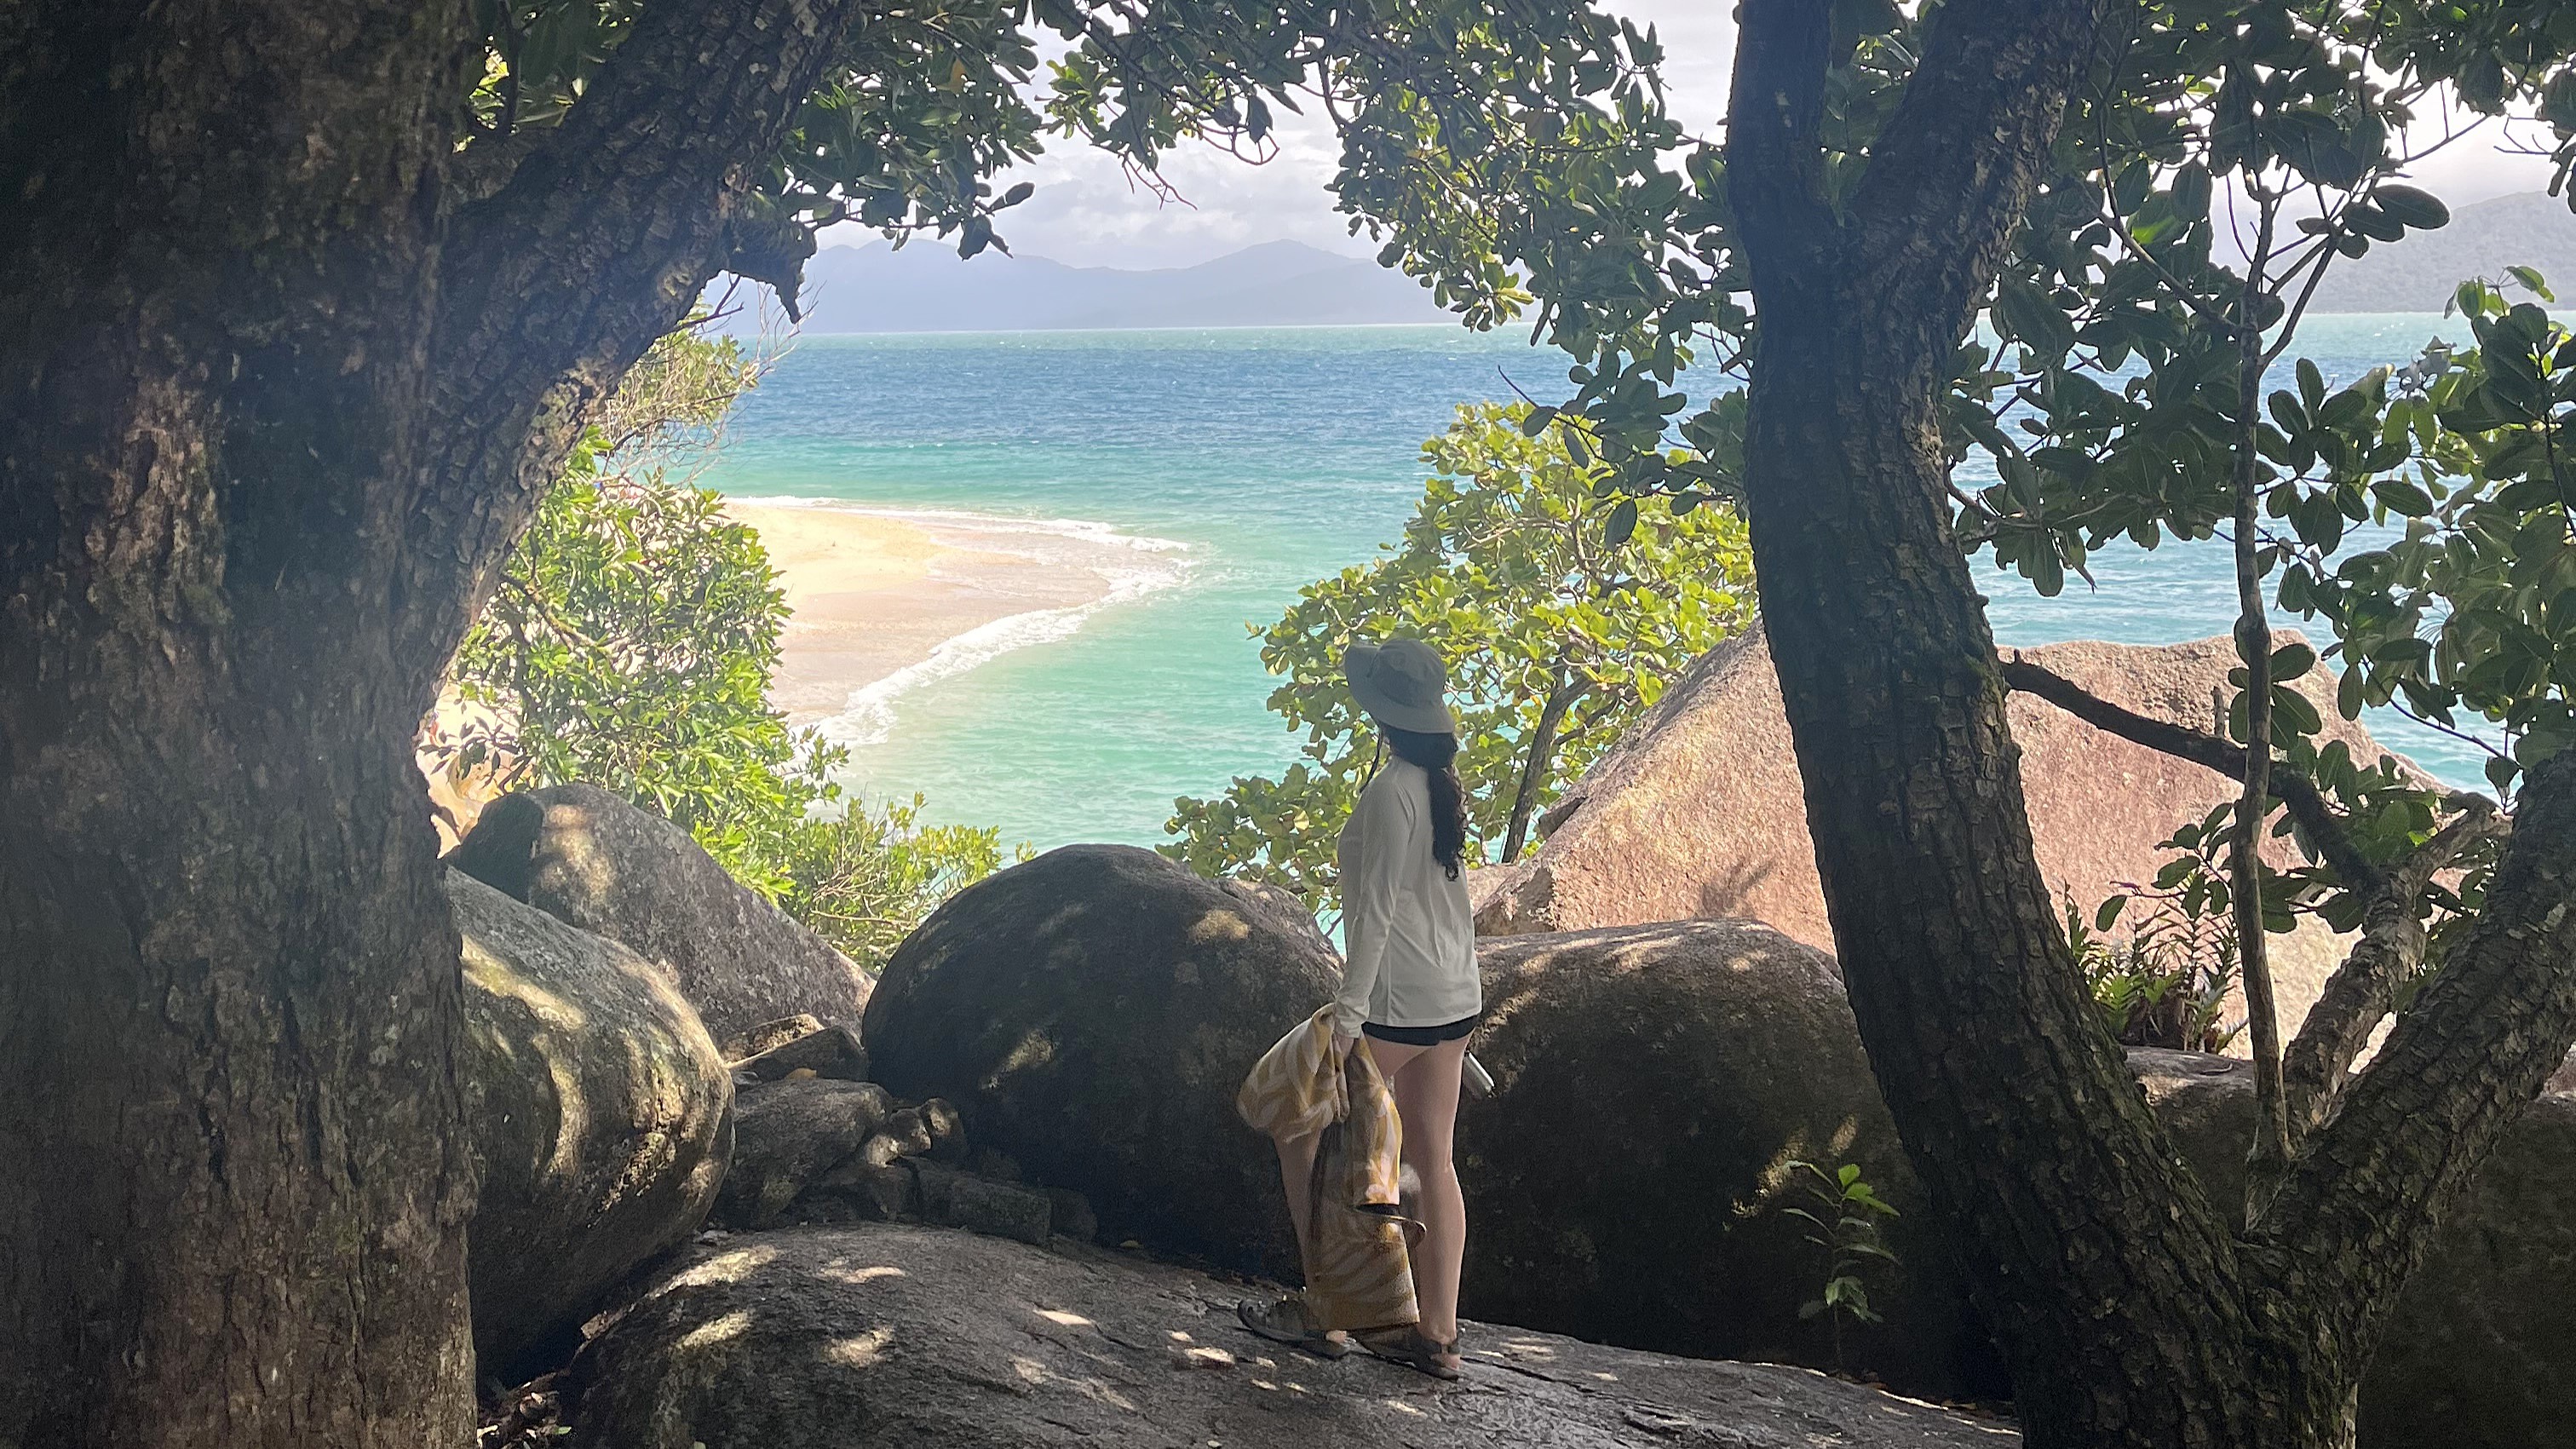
1561,613
929,100
2465,615
1842,1217
630,645
2165,982
2221,156
864,878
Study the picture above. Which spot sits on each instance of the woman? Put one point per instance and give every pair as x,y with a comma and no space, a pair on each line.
1409,988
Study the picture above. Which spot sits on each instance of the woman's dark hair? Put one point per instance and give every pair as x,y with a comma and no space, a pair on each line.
1437,754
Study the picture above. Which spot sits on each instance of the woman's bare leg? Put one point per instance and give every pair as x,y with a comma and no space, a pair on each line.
1426,1082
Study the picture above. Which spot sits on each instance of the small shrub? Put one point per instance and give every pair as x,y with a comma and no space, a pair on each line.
2165,983
1842,1220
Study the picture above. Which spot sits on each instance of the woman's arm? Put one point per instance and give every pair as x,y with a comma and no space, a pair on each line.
1388,826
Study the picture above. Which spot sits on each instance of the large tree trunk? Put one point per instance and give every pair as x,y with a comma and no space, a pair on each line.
2130,1311
1974,1016
236,1189
2012,1101
257,462
239,1179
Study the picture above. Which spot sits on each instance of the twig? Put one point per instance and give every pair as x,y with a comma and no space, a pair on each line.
2296,792
2270,1156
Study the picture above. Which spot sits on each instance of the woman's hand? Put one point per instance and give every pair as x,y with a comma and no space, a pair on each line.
1342,1044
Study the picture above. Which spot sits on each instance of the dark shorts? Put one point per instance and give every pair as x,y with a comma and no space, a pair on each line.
1421,1036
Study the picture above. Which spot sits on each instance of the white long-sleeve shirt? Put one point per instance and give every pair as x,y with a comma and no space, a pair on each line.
1410,931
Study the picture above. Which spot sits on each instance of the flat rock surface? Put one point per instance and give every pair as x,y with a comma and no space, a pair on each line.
855,1337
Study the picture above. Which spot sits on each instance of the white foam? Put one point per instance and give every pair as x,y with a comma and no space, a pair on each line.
1133,566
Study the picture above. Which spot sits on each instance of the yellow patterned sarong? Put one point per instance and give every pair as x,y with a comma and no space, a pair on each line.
1359,1274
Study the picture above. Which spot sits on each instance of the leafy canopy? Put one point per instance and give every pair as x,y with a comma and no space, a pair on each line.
2218,159
932,97
1537,588
630,645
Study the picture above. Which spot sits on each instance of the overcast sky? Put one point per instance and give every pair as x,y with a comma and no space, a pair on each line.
1086,214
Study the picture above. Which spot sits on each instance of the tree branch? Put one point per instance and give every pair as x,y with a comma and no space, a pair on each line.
2295,792
1563,690
2362,989
2271,1151
2474,1048
599,242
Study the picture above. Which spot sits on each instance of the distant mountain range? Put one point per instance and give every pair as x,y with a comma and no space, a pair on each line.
927,288
2419,273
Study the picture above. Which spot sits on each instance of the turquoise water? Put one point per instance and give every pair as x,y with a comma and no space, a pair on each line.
1226,469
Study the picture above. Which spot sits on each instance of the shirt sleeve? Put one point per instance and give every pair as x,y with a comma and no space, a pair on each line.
1387,827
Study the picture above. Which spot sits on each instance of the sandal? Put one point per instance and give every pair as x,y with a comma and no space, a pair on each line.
1283,1320
1410,1347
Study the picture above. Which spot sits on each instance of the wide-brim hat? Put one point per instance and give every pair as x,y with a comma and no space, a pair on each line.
1402,684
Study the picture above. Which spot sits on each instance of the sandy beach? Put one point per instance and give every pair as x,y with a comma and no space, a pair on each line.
884,601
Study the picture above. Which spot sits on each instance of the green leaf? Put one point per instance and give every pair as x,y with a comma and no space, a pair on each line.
2293,714
2031,316
1623,523
2291,661
2409,206
2374,223
2048,572
2402,498
2107,914
2191,191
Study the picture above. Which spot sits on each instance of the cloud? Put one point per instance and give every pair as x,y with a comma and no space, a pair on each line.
1089,212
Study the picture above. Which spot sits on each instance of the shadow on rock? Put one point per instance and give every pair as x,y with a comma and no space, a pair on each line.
824,1338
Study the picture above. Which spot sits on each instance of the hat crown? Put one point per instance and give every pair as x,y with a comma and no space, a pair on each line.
1401,684
1408,670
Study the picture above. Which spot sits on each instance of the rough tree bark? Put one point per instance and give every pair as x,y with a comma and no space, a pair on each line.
2131,1313
271,408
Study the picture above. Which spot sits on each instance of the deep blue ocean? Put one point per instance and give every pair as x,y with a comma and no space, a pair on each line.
1229,468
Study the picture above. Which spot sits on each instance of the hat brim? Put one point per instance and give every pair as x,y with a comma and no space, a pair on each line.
1358,671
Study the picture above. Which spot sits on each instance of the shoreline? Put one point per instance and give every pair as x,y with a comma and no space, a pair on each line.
884,601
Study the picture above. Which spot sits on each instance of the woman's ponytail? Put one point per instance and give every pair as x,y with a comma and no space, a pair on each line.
1437,754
